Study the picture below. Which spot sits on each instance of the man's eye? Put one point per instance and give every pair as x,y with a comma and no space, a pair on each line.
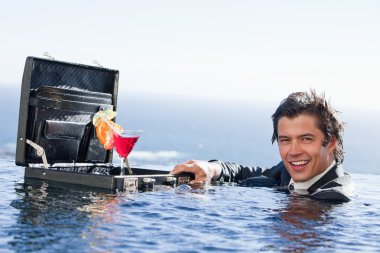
307,139
283,140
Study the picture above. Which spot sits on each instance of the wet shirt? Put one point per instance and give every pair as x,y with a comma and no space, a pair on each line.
333,184
301,187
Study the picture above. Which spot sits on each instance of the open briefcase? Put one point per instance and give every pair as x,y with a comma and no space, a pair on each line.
56,139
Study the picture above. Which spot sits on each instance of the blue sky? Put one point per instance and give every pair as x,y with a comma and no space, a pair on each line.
256,50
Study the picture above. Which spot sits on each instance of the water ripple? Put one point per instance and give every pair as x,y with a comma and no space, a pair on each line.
40,217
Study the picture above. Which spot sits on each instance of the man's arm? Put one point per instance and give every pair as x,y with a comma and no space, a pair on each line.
253,175
231,172
205,171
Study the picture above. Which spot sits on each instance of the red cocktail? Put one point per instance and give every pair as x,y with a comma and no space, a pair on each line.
124,143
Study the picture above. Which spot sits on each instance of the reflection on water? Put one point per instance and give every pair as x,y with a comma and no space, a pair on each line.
52,217
302,224
57,214
54,214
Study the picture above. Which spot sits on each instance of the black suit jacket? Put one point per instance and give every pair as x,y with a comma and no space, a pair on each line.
335,185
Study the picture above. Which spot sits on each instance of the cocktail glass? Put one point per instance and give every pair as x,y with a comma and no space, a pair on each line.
124,143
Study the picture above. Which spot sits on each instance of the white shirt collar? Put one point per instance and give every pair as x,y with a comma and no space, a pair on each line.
305,185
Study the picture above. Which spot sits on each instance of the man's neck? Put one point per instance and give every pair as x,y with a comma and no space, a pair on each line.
306,184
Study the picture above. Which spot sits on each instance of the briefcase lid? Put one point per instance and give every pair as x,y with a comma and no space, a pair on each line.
57,103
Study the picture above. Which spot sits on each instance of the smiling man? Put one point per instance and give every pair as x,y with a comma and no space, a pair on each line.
310,141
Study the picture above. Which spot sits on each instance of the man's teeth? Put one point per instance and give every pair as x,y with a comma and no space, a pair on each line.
298,163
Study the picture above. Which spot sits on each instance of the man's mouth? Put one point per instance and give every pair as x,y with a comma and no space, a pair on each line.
299,165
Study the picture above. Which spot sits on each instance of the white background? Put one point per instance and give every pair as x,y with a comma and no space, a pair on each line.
255,50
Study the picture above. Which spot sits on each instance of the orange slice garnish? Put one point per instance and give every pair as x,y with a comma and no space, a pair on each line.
105,127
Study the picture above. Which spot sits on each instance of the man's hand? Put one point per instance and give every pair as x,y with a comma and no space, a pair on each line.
203,171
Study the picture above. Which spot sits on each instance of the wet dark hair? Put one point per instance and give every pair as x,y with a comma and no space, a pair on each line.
309,103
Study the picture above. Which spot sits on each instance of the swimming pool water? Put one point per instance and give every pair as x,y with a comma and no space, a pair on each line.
40,216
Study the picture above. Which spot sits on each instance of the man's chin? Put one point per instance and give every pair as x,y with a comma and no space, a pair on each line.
300,178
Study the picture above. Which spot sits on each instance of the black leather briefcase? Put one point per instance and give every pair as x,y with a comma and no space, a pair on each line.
56,140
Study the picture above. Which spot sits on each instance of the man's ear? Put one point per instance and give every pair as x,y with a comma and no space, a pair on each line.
332,144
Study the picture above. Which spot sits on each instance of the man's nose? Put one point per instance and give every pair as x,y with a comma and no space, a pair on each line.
295,148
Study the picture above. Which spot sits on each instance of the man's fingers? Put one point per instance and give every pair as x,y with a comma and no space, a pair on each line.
185,167
199,169
198,182
177,169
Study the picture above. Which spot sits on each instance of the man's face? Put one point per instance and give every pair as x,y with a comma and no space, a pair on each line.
301,149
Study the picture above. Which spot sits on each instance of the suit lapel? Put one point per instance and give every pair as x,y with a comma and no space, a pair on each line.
329,176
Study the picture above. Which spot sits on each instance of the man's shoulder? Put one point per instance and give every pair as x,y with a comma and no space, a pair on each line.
337,185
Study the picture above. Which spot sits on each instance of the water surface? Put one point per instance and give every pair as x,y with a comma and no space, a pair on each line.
39,216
